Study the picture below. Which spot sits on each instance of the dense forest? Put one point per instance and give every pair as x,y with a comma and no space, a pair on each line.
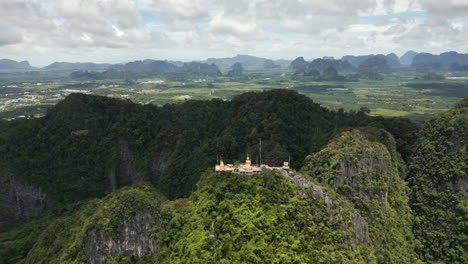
362,190
167,145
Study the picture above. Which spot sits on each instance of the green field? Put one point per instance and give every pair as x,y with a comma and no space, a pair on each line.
399,94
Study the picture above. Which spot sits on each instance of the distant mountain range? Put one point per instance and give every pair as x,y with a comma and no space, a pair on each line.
452,61
6,64
407,58
392,60
69,66
248,62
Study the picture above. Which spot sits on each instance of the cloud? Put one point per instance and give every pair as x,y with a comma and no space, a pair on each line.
122,30
446,8
75,23
221,24
183,9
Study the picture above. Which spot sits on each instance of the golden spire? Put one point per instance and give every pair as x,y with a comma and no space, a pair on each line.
221,164
248,162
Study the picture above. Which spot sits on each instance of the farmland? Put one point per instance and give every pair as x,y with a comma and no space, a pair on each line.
399,94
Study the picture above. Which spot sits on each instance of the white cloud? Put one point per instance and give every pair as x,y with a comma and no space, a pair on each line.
445,8
221,24
117,30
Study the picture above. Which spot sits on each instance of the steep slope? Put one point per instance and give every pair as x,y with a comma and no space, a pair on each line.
19,201
439,187
321,65
6,64
147,66
77,66
392,60
300,65
364,167
355,212
407,58
374,64
101,231
88,145
249,62
230,219
262,219
443,61
201,69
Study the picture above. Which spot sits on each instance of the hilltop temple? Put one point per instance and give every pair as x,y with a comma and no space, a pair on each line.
247,168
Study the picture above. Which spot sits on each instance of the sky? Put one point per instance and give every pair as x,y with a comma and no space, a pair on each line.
115,31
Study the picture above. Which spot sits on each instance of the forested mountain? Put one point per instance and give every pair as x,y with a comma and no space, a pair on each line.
6,64
321,65
146,66
167,145
407,58
445,61
392,60
75,66
452,61
201,69
299,64
110,180
375,64
439,182
249,62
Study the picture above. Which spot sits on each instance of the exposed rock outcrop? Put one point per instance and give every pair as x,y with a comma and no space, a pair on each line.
357,223
132,240
363,169
303,184
19,200
124,172
160,165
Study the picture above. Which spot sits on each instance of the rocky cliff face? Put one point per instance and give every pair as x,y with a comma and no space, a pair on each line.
19,200
160,165
133,240
114,229
364,169
124,172
334,209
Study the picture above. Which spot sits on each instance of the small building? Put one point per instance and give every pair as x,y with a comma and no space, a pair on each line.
247,168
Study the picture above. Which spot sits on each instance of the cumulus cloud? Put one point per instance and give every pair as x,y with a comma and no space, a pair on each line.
446,8
123,30
75,24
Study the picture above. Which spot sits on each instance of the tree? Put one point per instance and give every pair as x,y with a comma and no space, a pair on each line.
432,76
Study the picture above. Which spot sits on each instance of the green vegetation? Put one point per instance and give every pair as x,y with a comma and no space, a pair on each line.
263,219
170,145
395,93
363,166
433,76
375,64
438,177
61,239
364,194
267,218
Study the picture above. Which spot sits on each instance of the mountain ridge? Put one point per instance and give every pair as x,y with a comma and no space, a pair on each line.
132,183
422,61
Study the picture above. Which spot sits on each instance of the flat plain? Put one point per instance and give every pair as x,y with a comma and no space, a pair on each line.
399,94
